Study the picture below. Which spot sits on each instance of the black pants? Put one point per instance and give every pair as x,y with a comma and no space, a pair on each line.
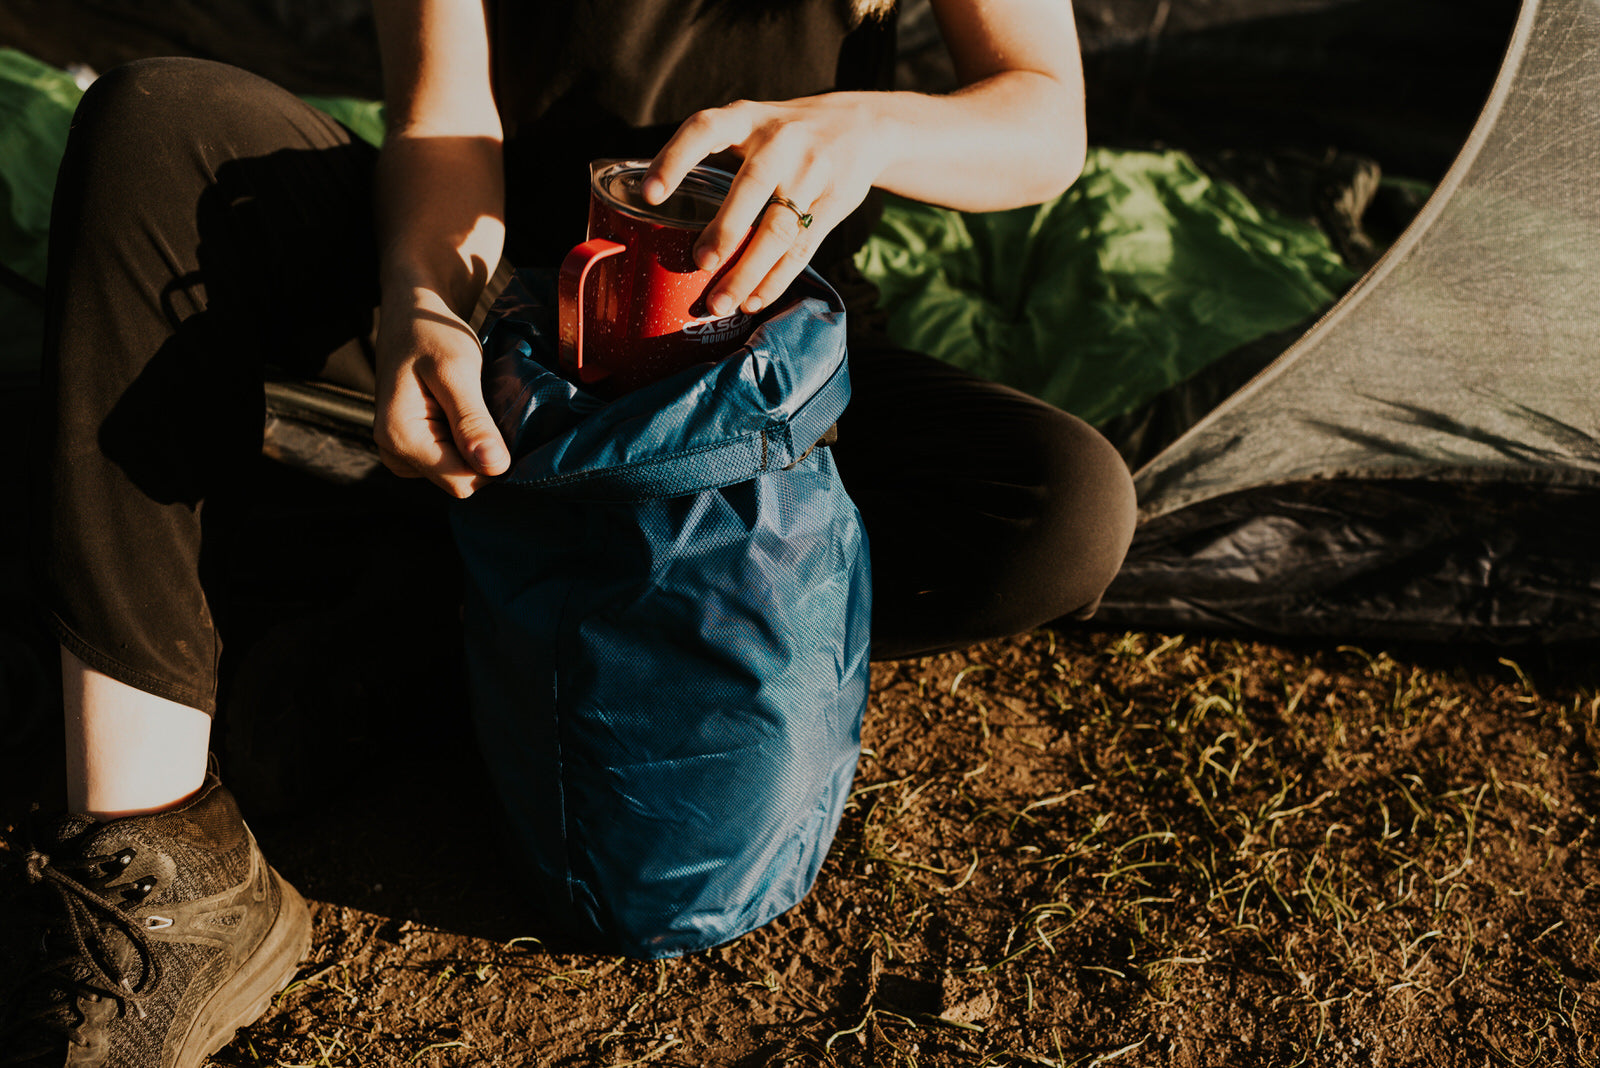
209,225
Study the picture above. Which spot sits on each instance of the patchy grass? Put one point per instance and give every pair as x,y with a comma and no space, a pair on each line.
1065,850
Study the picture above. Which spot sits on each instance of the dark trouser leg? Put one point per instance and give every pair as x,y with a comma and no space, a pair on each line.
206,222
988,512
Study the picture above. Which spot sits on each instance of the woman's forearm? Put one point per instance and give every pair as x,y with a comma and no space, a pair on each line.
1014,134
441,201
441,210
1012,139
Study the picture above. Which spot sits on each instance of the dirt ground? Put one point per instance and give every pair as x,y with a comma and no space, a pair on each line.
1068,848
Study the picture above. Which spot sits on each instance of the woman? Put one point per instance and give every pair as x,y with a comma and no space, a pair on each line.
200,209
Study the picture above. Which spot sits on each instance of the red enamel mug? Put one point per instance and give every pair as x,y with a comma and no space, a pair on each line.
631,302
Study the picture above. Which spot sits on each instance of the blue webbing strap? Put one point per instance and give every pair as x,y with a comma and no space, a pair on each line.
725,463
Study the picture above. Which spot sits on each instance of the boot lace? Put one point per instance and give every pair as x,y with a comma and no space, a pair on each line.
84,965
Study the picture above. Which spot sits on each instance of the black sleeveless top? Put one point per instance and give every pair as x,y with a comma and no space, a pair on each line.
578,80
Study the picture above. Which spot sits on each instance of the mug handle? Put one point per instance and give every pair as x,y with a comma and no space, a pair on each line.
569,302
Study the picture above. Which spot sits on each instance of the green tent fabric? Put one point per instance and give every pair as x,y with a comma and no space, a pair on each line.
1144,272
363,117
36,105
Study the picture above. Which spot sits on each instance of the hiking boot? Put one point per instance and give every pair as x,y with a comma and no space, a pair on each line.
166,933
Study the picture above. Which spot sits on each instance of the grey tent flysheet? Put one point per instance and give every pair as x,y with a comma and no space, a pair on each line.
1424,462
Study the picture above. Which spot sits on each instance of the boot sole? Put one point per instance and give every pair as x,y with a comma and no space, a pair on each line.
248,995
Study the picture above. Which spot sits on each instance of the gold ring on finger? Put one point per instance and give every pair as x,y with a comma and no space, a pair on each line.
804,218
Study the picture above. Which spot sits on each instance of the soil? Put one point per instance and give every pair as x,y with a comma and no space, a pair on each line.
1073,847
1065,848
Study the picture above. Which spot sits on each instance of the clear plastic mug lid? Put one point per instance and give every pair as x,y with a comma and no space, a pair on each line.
620,183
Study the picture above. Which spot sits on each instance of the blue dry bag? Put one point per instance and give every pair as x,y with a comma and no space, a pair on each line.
667,626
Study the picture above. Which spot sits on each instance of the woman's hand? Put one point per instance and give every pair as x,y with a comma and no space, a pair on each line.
821,153
432,421
1012,135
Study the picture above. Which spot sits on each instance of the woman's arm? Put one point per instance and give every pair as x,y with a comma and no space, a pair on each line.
441,228
1012,135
